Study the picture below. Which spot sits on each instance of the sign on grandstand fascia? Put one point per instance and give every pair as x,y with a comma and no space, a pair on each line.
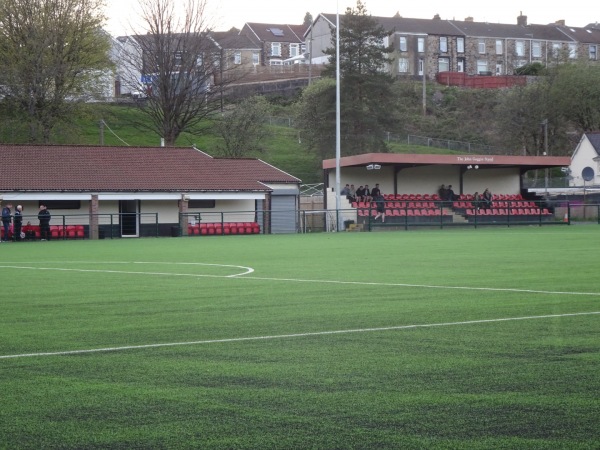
475,159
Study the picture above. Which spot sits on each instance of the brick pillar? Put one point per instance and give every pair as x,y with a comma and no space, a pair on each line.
183,218
94,217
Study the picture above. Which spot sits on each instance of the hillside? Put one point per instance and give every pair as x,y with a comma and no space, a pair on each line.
124,125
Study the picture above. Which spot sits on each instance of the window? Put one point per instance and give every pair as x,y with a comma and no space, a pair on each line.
276,62
421,45
443,44
520,48
460,45
572,50
499,47
237,58
520,63
403,65
555,49
61,204
402,44
593,52
256,58
201,204
481,47
177,59
482,67
294,50
536,49
443,65
276,48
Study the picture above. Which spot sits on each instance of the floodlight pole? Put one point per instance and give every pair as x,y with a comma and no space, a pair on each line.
338,200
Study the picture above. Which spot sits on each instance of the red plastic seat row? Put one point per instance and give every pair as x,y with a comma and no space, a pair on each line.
218,228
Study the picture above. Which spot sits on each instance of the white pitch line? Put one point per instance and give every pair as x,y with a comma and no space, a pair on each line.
247,270
295,280
295,335
428,286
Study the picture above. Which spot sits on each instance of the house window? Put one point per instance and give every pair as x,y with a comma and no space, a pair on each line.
294,50
572,50
460,45
177,59
402,44
482,67
256,58
520,48
276,62
520,63
276,48
443,65
237,58
499,47
593,52
536,49
481,47
555,49
421,45
443,44
403,65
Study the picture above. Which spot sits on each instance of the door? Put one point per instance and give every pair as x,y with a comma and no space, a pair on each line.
128,210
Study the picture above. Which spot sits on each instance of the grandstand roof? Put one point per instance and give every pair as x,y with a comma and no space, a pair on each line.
483,161
70,168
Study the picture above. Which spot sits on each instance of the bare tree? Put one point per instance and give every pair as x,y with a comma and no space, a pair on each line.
176,67
53,54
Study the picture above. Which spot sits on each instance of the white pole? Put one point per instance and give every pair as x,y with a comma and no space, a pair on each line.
338,201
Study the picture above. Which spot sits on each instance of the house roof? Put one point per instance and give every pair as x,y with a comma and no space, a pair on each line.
587,35
45,168
483,161
232,40
468,28
273,32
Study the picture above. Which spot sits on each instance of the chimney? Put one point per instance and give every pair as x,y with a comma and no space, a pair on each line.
560,23
437,17
522,20
469,19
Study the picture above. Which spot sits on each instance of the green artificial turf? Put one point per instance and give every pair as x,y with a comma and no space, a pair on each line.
455,338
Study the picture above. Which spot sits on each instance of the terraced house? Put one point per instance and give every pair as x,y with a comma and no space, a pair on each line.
432,46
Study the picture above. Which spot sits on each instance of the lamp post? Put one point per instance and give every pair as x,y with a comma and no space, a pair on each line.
545,125
338,200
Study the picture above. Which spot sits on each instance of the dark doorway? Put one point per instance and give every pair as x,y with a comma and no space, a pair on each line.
128,209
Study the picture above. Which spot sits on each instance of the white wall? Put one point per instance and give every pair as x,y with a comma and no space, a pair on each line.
584,157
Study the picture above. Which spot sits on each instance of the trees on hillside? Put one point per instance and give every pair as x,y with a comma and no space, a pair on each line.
366,101
181,66
243,129
52,54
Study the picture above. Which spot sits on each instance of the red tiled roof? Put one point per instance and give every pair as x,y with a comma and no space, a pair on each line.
51,168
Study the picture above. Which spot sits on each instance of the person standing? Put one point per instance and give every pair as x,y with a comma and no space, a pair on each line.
44,218
380,204
6,220
18,223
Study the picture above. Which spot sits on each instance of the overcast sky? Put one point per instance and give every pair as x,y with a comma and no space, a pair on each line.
234,13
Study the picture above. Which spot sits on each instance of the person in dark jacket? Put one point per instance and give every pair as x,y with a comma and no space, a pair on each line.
44,218
6,220
18,223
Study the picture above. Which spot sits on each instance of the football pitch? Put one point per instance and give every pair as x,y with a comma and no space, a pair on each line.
427,339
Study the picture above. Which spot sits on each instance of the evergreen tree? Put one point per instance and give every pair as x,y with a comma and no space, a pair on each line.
367,109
